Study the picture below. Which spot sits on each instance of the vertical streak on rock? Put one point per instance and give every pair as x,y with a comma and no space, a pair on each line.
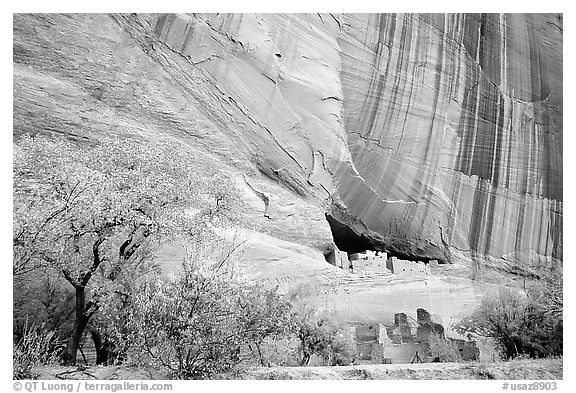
414,76
378,79
494,175
423,121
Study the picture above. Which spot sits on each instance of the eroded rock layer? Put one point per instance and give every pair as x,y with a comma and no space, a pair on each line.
454,123
423,134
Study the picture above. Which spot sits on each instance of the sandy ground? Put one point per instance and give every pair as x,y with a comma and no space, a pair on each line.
515,370
519,369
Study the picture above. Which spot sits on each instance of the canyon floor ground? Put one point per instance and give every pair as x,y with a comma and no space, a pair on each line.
544,369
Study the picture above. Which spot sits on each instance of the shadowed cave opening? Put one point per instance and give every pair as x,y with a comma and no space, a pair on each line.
347,240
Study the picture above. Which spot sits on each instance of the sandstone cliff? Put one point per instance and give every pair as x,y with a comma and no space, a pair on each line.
422,134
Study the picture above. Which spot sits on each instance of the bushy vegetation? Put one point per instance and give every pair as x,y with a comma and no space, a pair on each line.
198,323
35,346
279,351
320,335
527,323
88,220
91,217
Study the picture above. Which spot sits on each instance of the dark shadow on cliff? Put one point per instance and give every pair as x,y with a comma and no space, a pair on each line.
348,240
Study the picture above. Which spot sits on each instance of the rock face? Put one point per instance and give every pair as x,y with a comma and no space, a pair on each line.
420,134
454,123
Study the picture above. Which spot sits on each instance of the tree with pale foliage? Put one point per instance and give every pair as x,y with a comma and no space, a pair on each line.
95,213
319,334
522,324
200,323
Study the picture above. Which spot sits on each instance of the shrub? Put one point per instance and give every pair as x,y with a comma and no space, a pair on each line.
36,346
342,350
197,323
310,333
92,213
519,324
319,334
280,351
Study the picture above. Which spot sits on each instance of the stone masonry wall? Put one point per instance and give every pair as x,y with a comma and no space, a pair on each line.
407,268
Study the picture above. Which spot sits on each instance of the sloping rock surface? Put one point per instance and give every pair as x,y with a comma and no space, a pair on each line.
422,134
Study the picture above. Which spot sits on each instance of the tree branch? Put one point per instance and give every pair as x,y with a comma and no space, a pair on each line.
69,278
97,260
90,308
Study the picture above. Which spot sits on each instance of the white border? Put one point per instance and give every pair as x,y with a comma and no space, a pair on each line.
292,6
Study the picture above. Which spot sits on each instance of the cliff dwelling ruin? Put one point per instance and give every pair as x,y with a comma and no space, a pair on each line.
406,340
377,262
363,256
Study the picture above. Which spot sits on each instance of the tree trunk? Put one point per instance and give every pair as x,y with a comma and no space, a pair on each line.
305,359
260,355
80,322
305,353
104,352
97,339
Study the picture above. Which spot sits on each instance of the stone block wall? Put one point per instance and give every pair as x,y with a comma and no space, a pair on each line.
371,339
407,268
342,259
377,354
359,266
369,263
378,343
338,258
401,330
377,264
